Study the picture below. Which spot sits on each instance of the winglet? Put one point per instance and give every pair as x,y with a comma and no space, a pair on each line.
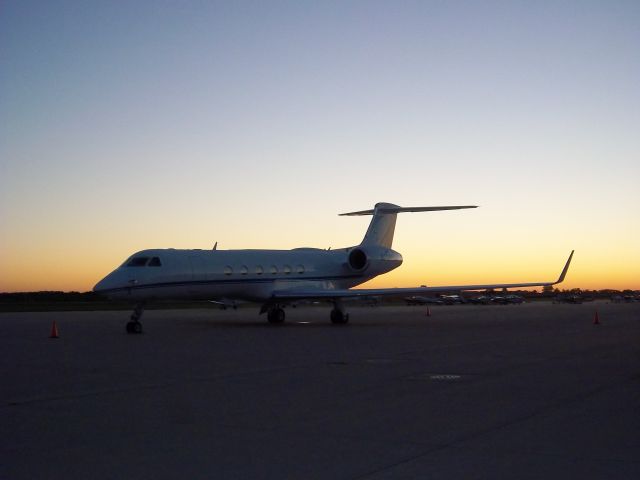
565,269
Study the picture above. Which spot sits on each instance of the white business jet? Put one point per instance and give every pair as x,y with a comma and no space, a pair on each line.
275,278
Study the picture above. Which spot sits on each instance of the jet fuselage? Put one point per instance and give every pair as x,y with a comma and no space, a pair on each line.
243,274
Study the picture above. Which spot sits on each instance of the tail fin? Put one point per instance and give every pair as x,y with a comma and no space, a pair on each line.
383,223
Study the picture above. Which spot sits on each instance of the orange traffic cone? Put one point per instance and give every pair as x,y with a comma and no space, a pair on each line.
596,320
54,330
428,312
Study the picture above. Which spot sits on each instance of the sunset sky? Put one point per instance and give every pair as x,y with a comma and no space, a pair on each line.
155,124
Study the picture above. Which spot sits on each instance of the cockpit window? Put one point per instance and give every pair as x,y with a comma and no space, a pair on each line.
155,262
137,262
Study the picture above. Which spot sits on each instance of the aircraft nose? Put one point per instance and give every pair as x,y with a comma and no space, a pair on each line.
100,286
106,284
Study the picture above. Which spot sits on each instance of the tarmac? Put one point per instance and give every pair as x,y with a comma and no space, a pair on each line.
534,391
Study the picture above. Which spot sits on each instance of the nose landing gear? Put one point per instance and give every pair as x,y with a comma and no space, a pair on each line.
134,326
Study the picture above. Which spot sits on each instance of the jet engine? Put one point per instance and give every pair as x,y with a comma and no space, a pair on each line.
358,259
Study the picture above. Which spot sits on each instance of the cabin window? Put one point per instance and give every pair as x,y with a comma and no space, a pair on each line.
287,269
155,262
138,262
300,268
259,270
273,269
244,270
228,270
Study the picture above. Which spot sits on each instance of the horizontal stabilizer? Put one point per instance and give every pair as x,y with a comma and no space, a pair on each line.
396,209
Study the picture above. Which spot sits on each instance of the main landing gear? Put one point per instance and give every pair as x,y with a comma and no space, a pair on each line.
275,315
338,317
134,326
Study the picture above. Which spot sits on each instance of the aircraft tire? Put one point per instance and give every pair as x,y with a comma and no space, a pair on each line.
276,316
338,317
134,327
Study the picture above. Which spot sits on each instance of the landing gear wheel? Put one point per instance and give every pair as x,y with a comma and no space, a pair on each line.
134,327
275,315
338,317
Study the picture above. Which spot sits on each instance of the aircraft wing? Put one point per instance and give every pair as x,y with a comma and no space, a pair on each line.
289,295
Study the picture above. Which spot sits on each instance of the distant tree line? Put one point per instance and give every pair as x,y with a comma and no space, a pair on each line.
84,297
50,297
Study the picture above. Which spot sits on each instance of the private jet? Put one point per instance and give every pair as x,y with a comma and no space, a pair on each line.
276,278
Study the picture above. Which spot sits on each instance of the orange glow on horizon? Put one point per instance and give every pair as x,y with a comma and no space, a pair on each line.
82,269
451,249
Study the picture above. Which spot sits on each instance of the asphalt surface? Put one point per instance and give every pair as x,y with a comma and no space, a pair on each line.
471,392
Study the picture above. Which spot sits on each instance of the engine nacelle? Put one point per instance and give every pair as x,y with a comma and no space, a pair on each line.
358,260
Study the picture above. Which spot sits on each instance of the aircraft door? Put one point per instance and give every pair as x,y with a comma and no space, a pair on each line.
197,285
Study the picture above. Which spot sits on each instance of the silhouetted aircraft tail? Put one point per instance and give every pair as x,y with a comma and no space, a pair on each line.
383,223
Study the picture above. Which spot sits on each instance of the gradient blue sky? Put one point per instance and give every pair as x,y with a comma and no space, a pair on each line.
130,125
